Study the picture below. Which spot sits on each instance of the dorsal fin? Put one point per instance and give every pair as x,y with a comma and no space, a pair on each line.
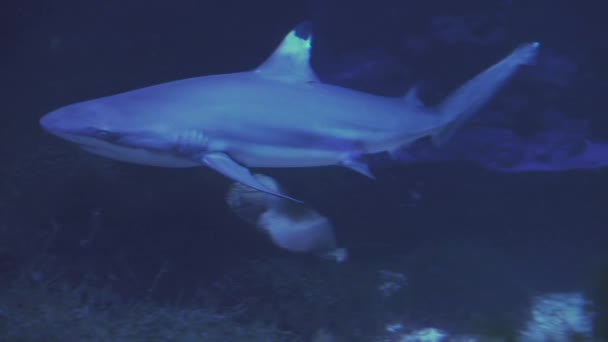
412,97
290,62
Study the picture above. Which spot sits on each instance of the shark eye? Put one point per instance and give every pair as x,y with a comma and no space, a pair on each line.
107,135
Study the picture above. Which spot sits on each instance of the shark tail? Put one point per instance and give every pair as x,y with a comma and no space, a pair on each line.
465,101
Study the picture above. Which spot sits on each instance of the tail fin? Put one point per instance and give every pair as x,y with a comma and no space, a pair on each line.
466,100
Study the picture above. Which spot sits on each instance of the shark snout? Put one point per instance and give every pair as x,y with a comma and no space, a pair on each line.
66,120
56,121
47,122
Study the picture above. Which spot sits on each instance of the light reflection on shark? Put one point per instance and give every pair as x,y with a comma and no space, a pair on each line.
279,115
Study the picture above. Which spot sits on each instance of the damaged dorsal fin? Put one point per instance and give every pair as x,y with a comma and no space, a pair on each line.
290,62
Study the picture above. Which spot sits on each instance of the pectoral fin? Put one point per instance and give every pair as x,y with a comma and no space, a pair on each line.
223,164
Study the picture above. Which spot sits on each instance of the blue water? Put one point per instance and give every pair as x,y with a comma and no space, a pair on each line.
476,244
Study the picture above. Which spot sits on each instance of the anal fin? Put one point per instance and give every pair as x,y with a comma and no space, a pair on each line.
223,164
358,165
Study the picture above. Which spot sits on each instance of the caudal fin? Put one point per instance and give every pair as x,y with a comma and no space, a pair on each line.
466,100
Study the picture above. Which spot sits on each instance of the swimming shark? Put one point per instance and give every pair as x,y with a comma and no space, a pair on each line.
277,116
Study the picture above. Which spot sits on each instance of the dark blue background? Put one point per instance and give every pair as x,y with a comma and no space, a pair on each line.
550,228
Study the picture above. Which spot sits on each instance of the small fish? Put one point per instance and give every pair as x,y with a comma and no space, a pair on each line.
292,226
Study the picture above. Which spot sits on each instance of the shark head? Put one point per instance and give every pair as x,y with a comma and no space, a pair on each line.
101,129
86,124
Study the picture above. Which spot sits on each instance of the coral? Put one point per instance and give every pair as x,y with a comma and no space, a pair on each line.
34,312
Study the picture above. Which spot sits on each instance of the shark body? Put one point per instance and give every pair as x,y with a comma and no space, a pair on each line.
278,115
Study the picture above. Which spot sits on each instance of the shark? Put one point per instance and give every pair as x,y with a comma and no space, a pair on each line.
279,115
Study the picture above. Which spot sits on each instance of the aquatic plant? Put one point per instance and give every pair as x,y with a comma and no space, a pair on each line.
63,313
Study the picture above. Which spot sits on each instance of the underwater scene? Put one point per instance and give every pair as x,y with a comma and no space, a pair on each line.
304,171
